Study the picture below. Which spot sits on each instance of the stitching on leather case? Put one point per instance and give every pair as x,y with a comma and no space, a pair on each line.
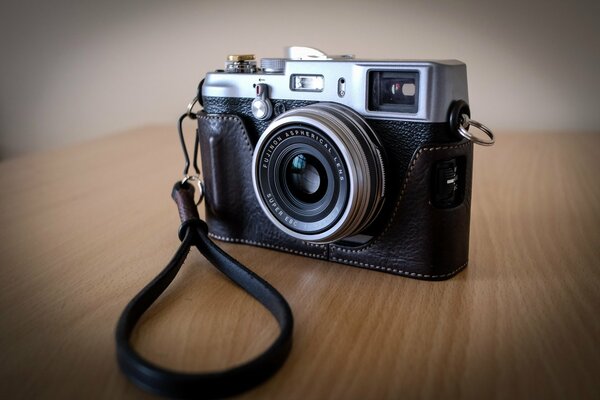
261,244
235,119
399,271
408,175
336,259
235,240
313,244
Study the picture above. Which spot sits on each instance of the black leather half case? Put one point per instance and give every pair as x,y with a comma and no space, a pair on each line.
412,237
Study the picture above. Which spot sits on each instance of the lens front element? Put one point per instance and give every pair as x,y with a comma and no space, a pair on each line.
318,173
306,178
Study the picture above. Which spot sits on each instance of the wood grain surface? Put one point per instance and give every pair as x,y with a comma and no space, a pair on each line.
82,229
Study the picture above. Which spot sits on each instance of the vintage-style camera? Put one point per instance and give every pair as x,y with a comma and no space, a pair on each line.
354,161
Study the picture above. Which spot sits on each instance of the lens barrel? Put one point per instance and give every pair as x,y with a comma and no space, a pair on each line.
318,173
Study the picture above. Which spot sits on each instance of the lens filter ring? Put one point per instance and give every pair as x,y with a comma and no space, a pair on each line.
292,213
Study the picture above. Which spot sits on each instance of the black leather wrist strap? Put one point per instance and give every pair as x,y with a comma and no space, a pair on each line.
194,232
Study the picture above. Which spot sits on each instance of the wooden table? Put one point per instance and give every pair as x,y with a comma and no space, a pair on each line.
84,228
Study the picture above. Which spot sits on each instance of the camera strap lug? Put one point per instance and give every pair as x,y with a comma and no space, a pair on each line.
460,121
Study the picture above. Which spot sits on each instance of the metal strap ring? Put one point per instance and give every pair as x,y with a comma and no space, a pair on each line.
190,114
196,178
464,125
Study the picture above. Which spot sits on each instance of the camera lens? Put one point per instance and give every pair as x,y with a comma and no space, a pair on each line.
306,178
318,172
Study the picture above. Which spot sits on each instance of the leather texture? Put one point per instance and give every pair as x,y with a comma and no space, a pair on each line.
418,239
402,139
232,211
411,236
242,107
183,195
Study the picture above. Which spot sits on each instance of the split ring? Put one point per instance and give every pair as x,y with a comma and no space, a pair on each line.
466,122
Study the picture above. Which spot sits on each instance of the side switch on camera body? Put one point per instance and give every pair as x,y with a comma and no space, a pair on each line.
261,106
446,184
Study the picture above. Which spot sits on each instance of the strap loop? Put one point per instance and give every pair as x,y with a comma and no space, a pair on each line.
186,156
194,232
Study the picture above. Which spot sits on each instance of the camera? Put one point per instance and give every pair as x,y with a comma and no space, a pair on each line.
358,162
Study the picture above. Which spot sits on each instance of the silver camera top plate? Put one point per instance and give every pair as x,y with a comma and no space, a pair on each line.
345,80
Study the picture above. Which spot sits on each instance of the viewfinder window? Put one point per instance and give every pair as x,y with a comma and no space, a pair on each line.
393,91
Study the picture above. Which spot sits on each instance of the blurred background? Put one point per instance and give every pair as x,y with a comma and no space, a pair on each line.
75,70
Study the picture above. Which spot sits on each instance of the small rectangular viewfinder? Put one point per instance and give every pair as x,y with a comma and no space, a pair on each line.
307,83
393,91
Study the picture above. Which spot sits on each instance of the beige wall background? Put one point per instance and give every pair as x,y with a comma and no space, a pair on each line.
74,70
